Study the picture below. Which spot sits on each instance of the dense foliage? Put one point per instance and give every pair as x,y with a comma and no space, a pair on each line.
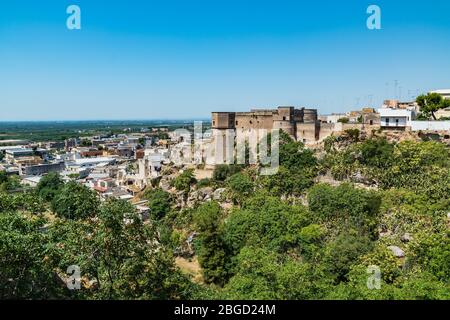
384,207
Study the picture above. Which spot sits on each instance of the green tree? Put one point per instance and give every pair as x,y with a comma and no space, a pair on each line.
159,202
344,251
3,177
202,183
85,143
120,257
288,182
212,253
241,186
345,206
378,153
265,221
49,186
432,252
184,181
352,134
264,274
9,183
25,268
223,171
431,103
75,201
294,155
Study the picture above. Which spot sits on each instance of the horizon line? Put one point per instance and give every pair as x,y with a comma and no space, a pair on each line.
107,120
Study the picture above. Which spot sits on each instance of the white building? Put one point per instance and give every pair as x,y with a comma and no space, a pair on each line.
93,162
332,118
32,181
445,93
395,118
430,126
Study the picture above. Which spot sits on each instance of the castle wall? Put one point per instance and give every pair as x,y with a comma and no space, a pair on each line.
307,132
286,126
301,124
223,120
328,129
254,120
310,115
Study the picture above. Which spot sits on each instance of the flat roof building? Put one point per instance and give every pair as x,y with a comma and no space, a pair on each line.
395,118
444,92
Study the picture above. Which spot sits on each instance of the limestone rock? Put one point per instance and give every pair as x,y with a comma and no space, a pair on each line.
406,237
217,195
164,184
205,193
399,253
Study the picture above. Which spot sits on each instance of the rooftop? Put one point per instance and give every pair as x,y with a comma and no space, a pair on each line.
442,91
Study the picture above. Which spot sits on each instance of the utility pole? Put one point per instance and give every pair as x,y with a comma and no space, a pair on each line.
395,89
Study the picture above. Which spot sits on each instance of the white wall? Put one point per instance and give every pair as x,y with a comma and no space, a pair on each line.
430,125
402,122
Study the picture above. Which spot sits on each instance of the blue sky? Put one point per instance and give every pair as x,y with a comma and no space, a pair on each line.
183,59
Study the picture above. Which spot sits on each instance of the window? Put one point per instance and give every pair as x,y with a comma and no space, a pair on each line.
284,118
237,123
371,122
214,123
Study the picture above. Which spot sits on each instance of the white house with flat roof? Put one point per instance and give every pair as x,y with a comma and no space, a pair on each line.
444,92
88,163
395,118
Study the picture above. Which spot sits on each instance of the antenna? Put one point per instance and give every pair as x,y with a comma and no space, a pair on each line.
395,89
370,100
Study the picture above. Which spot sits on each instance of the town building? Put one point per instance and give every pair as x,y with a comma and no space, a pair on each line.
397,119
14,142
301,124
41,169
26,154
445,93
332,118
32,181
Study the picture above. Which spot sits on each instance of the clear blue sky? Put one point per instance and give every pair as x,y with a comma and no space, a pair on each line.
183,59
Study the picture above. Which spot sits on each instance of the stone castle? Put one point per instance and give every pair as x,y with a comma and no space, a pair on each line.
301,124
304,125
